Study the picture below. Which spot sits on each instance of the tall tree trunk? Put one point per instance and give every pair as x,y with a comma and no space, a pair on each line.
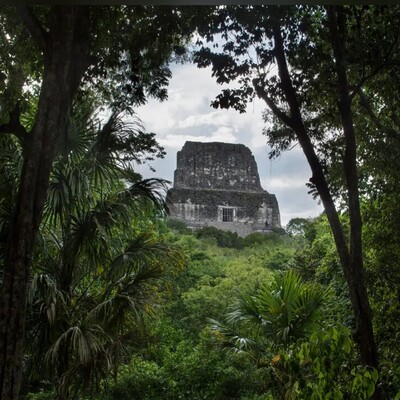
350,257
358,292
66,58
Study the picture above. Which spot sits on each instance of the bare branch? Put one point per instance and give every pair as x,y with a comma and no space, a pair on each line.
33,25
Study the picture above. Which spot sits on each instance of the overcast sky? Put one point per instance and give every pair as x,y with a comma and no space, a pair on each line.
187,115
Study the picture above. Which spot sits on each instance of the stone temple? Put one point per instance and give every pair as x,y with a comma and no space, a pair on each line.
217,184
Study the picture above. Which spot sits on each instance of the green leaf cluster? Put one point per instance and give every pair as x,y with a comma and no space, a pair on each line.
321,368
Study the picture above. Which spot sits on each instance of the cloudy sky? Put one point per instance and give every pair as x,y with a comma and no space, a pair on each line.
187,115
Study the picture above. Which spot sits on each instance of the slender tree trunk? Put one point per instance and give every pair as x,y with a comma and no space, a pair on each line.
350,258
66,58
318,176
358,290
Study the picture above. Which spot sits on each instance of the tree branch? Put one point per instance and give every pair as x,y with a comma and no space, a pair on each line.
274,108
365,78
14,125
365,103
32,24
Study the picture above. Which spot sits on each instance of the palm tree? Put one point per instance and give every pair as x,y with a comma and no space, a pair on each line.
268,322
279,313
77,336
100,269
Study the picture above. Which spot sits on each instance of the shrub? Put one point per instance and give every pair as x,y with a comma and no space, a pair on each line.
258,238
223,238
178,226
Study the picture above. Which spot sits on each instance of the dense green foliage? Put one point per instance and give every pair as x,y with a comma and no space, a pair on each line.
207,341
189,354
184,360
216,278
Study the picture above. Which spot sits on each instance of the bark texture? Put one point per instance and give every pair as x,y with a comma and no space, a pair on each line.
65,48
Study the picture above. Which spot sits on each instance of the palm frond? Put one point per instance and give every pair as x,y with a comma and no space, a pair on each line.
146,194
101,161
283,309
84,343
131,298
230,339
309,307
124,134
43,287
145,249
88,234
28,116
79,133
68,184
137,280
47,306
79,350
246,311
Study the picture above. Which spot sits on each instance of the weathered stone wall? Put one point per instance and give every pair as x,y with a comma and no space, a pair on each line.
216,166
204,205
213,177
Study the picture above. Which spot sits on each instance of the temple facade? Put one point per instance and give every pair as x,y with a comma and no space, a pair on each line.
217,184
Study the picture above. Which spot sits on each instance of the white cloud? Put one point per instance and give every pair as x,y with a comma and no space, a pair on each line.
216,118
258,142
176,141
285,182
224,134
